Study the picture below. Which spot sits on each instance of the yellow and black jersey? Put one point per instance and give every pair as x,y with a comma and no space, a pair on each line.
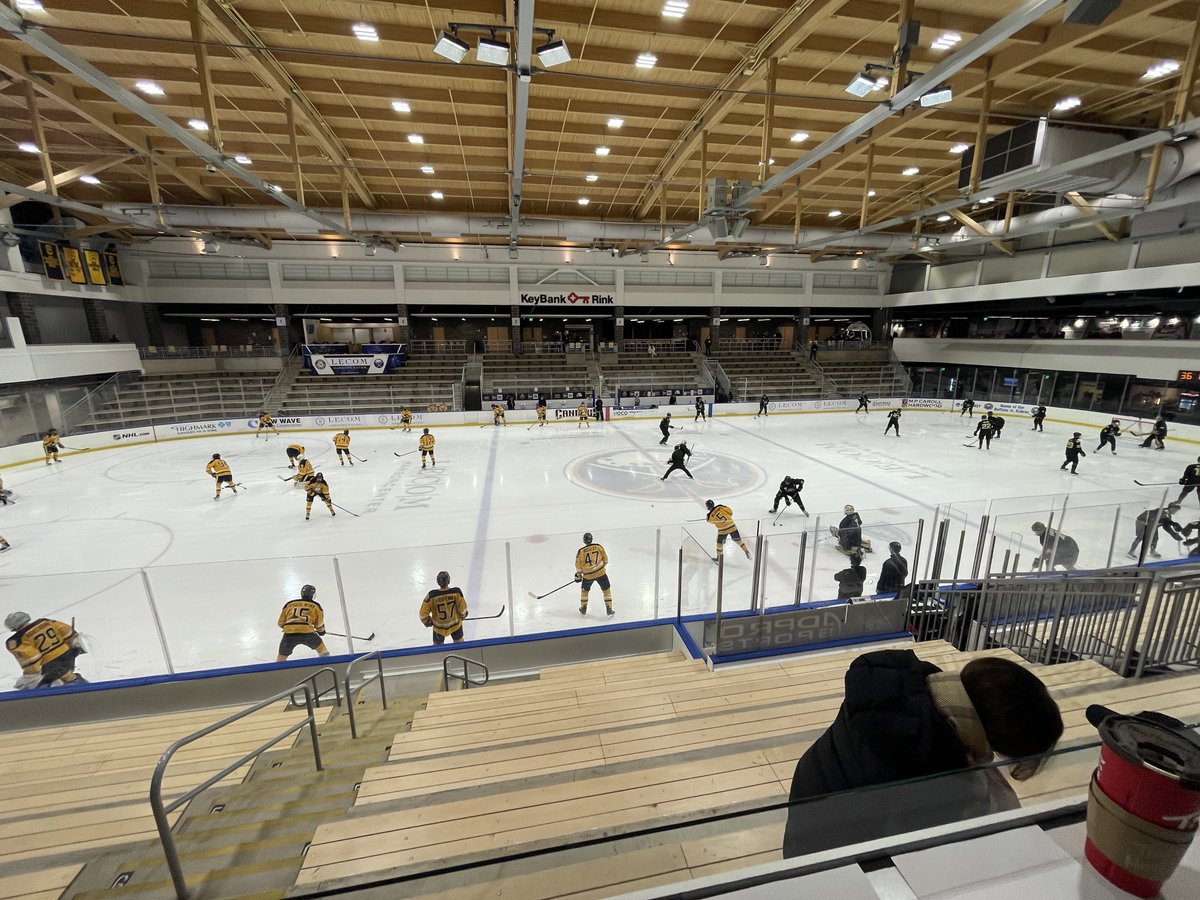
50,442
318,489
497,410
1074,446
445,608
405,416
40,642
426,442
341,441
295,450
1191,475
265,421
721,516
590,561
217,468
302,617
582,412
541,412
304,470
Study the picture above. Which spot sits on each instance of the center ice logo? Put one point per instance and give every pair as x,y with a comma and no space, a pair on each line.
636,475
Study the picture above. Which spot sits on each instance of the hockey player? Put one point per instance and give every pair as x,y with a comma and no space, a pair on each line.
294,452
50,446
303,624
720,517
1039,416
4,544
1108,436
984,431
304,472
849,533
265,421
851,580
864,403
405,419
341,443
591,564
317,486
679,457
968,409
763,402
997,425
443,610
1157,435
583,415
1074,451
45,649
219,469
1190,479
541,413
1148,524
665,427
425,445
5,494
498,414
700,416
1058,549
789,493
893,573
893,421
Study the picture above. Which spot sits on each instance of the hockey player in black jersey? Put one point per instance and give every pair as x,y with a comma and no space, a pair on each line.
1157,435
700,410
1039,416
864,403
679,457
789,493
1108,436
1074,451
1190,479
984,431
893,421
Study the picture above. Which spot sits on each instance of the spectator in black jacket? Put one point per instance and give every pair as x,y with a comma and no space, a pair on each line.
850,581
893,573
903,718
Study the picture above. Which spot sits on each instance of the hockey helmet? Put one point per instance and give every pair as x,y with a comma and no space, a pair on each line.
427,431
16,620
346,431
847,509
320,476
216,456
443,579
1077,434
587,537
708,504
668,415
1173,505
308,592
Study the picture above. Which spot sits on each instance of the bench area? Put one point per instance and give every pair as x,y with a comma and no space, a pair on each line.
152,399
605,748
72,791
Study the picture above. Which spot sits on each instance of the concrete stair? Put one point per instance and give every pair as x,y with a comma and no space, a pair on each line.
248,840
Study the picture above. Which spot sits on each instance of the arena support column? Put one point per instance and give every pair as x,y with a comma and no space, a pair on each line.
714,326
881,325
619,327
154,324
22,306
97,322
290,333
403,332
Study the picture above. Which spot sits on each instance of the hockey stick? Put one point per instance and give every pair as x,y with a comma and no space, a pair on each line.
285,477
781,512
555,591
343,509
369,637
359,458
1154,483
496,616
406,453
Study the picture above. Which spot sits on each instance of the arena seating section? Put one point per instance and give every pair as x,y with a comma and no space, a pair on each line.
864,370
546,372
424,380
642,372
183,398
781,375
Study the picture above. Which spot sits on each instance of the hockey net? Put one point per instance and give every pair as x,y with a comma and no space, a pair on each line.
1135,426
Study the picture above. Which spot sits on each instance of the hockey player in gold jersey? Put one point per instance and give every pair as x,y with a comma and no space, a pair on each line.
405,419
591,566
444,610
498,415
50,446
265,421
541,413
294,452
219,469
303,624
45,650
582,413
425,445
304,472
318,487
341,443
720,516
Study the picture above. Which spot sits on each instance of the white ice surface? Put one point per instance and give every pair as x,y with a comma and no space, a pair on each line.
84,530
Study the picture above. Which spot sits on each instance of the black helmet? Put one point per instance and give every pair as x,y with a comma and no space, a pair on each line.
1076,434
587,537
308,592
668,415
345,431
216,456
708,504
443,579
427,431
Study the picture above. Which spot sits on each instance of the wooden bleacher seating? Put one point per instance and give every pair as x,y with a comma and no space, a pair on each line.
182,398
606,747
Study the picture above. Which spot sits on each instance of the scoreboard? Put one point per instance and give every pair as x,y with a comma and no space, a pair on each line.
1189,377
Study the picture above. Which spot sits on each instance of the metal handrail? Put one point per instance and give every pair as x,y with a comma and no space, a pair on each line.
318,694
465,677
161,811
378,655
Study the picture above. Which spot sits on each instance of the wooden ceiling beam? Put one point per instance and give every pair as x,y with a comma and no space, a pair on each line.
207,94
69,176
966,220
1079,202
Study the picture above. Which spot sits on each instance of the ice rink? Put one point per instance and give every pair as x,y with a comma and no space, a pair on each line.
159,577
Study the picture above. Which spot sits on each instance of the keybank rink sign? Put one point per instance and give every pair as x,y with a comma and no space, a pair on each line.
568,298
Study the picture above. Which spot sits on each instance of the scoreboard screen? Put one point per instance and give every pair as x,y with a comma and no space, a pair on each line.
1189,376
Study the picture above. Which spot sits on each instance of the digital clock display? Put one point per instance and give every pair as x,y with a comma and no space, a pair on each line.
1189,376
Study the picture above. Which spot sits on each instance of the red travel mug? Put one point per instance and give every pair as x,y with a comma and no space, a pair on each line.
1144,801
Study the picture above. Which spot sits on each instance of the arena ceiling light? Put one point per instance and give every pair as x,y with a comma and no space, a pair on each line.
938,96
911,171
553,53
492,51
960,149
860,85
365,32
242,160
426,169
401,106
675,9
591,177
1067,103
1161,70
646,61
150,88
29,6
416,139
799,137
946,40
89,179
436,195
450,47
615,123
197,125
28,147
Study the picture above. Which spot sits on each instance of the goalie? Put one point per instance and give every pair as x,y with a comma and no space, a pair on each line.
45,649
849,533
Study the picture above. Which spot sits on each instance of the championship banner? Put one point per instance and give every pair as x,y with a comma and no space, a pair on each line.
74,265
112,265
365,364
51,260
94,265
